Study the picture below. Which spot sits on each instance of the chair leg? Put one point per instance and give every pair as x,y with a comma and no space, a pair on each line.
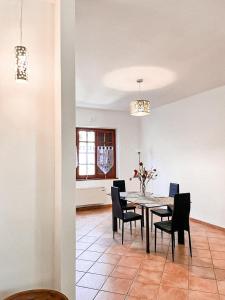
131,228
122,231
135,213
151,221
155,237
141,231
172,236
189,237
119,223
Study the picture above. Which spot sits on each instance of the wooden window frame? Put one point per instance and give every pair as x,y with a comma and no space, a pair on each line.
97,176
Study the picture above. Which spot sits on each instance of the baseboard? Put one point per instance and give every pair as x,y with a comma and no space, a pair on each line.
207,224
90,207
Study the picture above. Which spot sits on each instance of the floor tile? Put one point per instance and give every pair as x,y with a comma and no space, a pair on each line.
149,277
175,280
152,265
109,258
124,272
201,262
78,252
98,248
220,274
109,296
88,239
219,263
195,295
144,291
202,272
201,253
179,259
133,262
118,249
117,285
90,255
167,293
221,287
146,276
83,265
101,268
93,281
176,268
218,254
82,246
79,275
217,247
200,245
85,293
202,284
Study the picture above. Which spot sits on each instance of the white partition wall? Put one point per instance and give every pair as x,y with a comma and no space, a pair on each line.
36,150
64,262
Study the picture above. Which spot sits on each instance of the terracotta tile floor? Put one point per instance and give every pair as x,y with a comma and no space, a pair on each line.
107,270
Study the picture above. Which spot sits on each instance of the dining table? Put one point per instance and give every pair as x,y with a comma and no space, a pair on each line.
147,202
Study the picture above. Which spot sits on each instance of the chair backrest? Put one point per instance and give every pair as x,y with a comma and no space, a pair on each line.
181,212
116,203
120,184
38,295
174,189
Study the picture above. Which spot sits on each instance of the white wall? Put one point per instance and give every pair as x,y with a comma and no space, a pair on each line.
64,238
185,141
127,140
26,150
34,229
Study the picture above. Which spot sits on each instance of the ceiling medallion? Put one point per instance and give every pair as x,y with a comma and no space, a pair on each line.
140,107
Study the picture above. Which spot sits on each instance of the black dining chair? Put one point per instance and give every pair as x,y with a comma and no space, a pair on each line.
122,188
118,212
165,212
180,220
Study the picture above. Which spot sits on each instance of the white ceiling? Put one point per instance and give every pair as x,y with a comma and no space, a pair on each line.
117,38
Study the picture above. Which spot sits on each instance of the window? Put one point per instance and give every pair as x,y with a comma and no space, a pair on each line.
94,146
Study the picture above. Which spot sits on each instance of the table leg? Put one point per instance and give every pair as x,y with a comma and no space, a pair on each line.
147,230
143,217
181,237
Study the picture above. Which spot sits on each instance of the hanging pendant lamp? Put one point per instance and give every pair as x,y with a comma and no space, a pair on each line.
140,107
21,53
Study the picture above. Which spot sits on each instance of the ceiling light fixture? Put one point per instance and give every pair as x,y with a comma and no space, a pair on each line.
140,107
21,53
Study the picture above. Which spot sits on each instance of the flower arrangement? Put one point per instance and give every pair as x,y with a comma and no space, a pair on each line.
144,176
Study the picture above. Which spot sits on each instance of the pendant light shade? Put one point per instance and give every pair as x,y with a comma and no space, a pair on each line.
21,53
21,63
140,107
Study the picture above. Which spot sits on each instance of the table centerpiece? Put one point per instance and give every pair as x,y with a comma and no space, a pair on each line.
144,176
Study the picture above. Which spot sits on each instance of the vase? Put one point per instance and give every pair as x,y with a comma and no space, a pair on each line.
143,188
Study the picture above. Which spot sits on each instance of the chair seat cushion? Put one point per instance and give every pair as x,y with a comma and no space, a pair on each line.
129,206
162,212
131,216
164,225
